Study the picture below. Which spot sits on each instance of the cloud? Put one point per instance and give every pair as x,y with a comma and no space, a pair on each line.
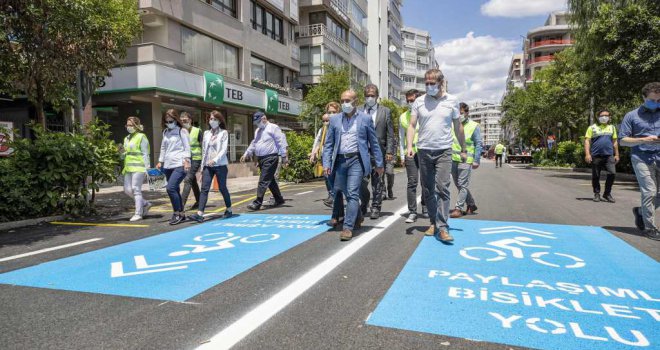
476,67
521,8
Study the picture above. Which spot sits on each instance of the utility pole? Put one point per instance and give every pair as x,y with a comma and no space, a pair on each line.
591,111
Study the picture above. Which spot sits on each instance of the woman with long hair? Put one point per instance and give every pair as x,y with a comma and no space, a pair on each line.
174,160
214,163
136,162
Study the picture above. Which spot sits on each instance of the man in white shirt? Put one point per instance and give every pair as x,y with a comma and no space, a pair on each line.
436,112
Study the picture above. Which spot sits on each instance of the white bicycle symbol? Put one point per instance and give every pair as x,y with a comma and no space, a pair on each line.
223,241
517,252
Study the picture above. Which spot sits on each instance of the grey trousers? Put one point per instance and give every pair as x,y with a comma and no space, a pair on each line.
461,173
648,178
435,168
412,172
191,182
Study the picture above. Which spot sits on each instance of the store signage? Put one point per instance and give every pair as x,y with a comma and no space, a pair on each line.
214,86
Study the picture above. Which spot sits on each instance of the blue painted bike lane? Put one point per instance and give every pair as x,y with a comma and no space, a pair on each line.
541,286
176,265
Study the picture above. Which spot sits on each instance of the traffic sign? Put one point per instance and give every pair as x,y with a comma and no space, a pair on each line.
533,285
175,265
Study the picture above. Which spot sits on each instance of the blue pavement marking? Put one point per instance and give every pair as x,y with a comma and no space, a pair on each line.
176,265
533,285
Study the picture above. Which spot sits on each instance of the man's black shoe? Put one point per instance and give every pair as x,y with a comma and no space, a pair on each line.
653,234
609,198
196,217
253,206
639,220
375,214
177,219
596,197
390,194
275,203
328,202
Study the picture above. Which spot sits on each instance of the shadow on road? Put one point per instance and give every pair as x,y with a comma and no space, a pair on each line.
633,231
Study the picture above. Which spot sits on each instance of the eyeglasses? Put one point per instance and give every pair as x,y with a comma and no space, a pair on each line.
428,84
169,121
346,101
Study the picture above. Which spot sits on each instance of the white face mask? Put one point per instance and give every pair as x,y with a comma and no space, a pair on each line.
603,120
371,101
347,107
214,123
187,125
262,125
171,125
130,129
432,89
463,118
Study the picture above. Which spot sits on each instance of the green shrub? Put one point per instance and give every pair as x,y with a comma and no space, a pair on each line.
299,169
50,174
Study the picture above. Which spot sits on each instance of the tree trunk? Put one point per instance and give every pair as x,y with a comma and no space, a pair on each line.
39,105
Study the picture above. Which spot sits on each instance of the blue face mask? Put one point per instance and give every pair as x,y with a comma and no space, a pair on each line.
651,105
432,89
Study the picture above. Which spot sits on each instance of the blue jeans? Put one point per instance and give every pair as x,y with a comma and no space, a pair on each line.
174,178
348,173
207,178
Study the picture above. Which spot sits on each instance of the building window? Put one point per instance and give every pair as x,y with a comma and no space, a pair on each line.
358,15
333,59
310,60
358,46
226,6
266,22
209,54
336,29
264,70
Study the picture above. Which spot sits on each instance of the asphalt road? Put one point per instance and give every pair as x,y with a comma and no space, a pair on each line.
330,314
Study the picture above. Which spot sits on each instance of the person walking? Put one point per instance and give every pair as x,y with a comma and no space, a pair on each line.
499,153
640,130
461,171
317,151
268,145
174,161
214,163
437,113
410,163
136,162
601,150
389,175
349,147
196,160
382,121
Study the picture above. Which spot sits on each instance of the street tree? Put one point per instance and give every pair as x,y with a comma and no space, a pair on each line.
44,44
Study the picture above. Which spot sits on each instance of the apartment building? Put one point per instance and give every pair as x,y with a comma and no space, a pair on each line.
488,115
332,32
542,43
418,57
236,56
385,47
516,77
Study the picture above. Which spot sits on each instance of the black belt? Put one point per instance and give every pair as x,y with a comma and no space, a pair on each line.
268,156
349,155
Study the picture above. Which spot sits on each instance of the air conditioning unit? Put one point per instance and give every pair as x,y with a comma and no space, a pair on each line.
152,20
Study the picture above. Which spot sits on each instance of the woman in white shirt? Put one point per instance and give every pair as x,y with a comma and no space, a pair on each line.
136,162
214,163
174,161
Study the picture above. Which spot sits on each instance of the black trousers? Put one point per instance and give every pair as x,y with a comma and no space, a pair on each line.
598,163
268,167
377,189
498,160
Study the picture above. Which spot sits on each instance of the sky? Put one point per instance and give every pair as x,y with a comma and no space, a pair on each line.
475,39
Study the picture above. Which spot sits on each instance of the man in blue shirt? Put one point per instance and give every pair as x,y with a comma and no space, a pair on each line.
350,144
640,130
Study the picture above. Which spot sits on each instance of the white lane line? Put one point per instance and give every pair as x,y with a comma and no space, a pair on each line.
301,193
49,249
262,313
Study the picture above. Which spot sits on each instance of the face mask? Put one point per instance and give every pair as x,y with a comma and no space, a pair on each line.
187,125
214,123
347,107
130,129
463,118
171,125
432,89
262,125
371,101
651,105
603,120
409,104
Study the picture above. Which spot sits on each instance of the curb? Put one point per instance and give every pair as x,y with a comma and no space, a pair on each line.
29,222
623,176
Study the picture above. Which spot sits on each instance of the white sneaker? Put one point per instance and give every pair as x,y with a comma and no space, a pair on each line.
136,217
145,209
411,218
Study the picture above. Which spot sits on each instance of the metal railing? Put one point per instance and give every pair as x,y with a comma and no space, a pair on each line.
547,58
552,42
321,30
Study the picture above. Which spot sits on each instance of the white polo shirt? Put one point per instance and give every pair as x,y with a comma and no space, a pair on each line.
434,118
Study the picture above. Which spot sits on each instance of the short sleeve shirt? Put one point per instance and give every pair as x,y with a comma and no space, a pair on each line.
602,139
435,117
642,122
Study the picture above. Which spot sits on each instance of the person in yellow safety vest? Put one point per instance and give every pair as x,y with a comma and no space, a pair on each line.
461,171
195,165
411,163
135,152
499,152
602,152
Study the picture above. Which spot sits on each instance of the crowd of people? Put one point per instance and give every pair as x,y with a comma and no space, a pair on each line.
355,150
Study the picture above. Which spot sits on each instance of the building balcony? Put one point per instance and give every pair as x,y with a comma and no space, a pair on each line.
396,59
320,30
541,59
394,11
396,81
553,29
553,42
